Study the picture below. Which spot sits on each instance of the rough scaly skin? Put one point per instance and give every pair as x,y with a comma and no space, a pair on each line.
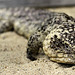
53,32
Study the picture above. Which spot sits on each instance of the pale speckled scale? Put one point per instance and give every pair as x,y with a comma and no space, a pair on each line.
53,32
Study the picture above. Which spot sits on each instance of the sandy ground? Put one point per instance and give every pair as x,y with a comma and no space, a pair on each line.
13,59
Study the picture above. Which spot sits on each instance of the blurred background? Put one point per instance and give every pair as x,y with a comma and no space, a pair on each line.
36,3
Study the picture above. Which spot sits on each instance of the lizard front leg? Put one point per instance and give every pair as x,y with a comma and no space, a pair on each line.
34,43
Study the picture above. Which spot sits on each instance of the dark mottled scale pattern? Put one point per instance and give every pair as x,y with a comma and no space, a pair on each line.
51,31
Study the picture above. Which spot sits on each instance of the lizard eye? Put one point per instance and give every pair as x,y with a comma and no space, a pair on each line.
55,36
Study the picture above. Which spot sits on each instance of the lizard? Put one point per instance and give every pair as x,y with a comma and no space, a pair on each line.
53,32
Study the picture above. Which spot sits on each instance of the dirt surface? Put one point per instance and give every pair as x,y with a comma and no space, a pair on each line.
13,59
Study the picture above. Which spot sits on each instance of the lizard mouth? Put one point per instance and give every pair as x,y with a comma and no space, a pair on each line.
63,58
59,57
